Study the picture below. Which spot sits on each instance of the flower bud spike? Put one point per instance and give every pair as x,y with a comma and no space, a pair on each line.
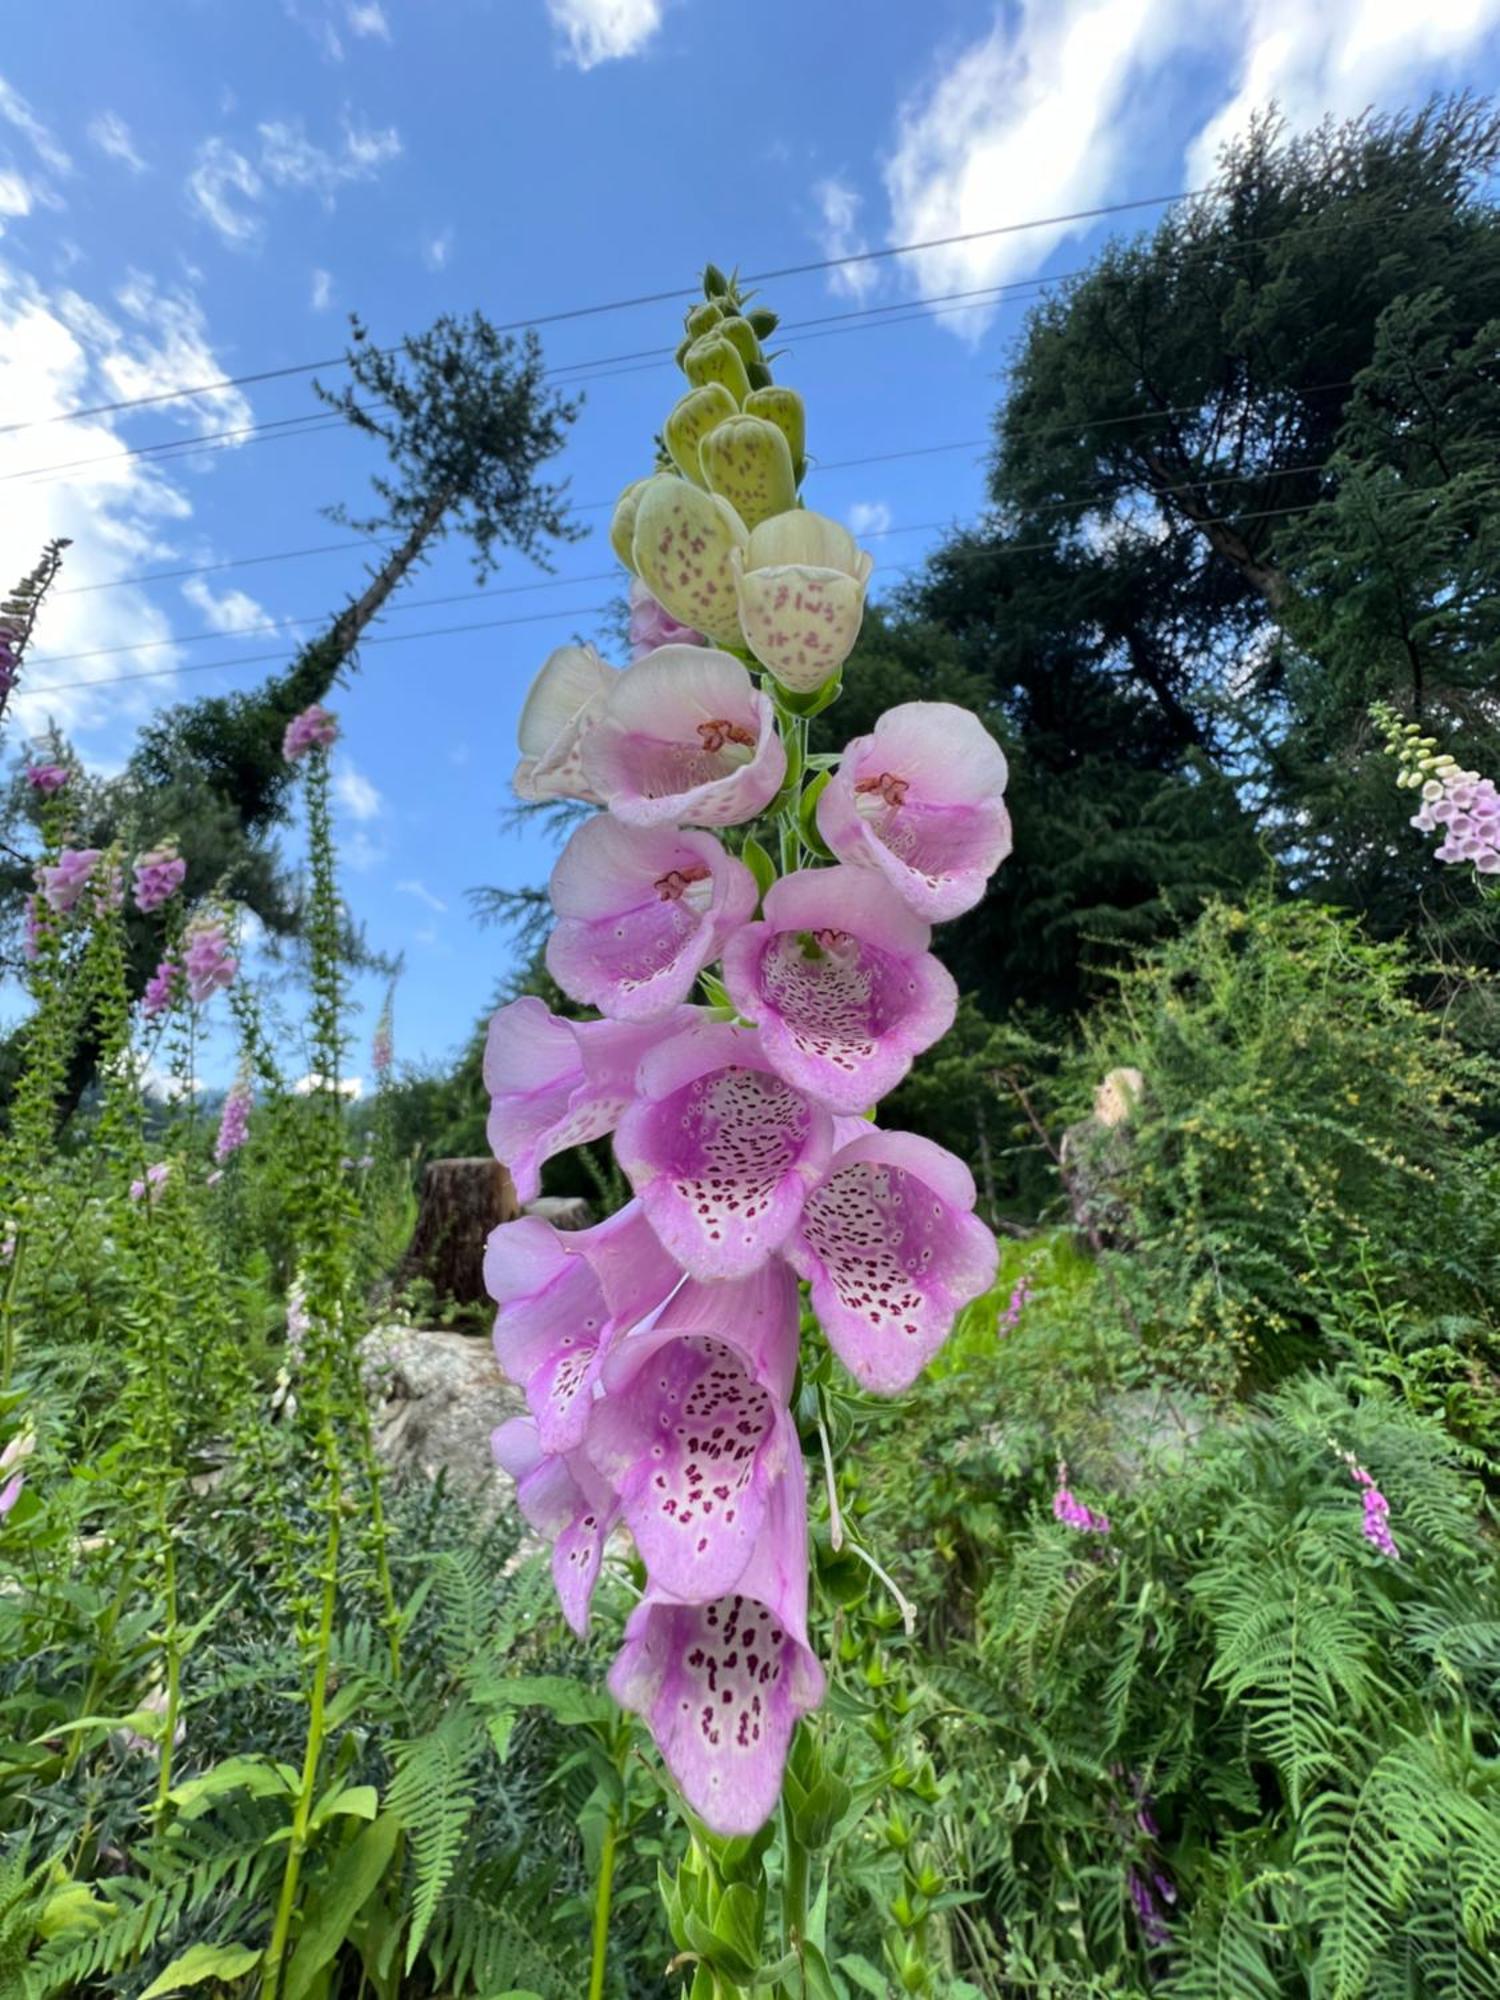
714,359
684,538
700,320
692,418
741,337
747,462
785,409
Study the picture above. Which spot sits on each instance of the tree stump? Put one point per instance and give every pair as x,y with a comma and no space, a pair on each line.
461,1202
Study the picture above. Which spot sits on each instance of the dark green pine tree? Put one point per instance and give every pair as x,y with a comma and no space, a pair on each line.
467,422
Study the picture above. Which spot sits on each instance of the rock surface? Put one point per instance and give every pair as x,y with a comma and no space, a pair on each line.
563,1211
435,1398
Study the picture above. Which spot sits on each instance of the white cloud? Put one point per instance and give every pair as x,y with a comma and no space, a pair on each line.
840,236
355,793
229,611
367,17
169,348
601,31
60,351
869,517
289,159
17,113
1050,100
220,173
15,193
1337,57
322,291
436,250
423,895
111,135
352,1087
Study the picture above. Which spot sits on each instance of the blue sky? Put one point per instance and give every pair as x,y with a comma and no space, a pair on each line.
194,188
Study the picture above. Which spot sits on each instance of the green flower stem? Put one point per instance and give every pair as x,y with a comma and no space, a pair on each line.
795,1883
603,1893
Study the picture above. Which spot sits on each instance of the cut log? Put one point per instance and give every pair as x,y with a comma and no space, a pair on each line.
462,1201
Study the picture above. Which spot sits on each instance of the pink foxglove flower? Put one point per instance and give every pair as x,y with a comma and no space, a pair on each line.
314,729
841,982
922,798
694,1437
158,876
652,625
47,778
890,1244
563,1298
1072,1512
382,1047
31,936
157,995
234,1122
640,912
207,961
1376,1525
1465,809
563,1498
801,582
64,881
722,1685
12,1460
684,737
560,709
555,1084
155,1180
721,1150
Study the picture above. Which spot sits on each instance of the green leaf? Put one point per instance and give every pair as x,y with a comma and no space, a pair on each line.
865,1976
563,1699
760,864
358,1801
354,1879
256,1775
200,1962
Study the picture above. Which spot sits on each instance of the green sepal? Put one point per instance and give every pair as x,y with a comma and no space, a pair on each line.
760,375
715,284
763,322
693,417
814,703
807,817
760,864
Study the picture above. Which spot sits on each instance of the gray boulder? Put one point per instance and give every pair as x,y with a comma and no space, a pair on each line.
435,1397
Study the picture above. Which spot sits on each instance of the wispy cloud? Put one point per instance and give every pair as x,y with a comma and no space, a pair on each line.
17,113
355,793
436,250
841,236
367,18
112,136
219,174
599,31
423,895
229,611
289,159
869,517
321,297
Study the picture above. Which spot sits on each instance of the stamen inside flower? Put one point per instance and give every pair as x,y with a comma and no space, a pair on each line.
692,885
891,790
715,735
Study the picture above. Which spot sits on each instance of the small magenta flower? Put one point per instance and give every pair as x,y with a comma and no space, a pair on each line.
156,996
159,874
234,1122
555,1083
12,1460
559,710
694,1438
721,1150
314,729
893,1251
721,1686
1465,809
207,961
840,980
640,912
563,1299
652,625
155,1180
1072,1512
382,1046
1020,1298
33,921
48,778
564,1499
684,737
1376,1525
64,881
922,798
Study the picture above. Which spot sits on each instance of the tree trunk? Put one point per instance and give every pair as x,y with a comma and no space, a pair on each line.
462,1201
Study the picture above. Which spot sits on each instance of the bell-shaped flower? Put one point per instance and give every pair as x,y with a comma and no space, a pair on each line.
889,1242
640,912
622,521
563,1297
748,462
559,707
721,1686
691,420
841,983
650,626
720,1149
922,798
565,1500
555,1083
693,1438
684,737
684,538
800,582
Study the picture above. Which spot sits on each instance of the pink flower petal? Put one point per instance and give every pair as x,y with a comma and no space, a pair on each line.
564,1499
892,1250
839,978
640,912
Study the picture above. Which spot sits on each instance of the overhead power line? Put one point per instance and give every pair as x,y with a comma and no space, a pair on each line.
186,390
